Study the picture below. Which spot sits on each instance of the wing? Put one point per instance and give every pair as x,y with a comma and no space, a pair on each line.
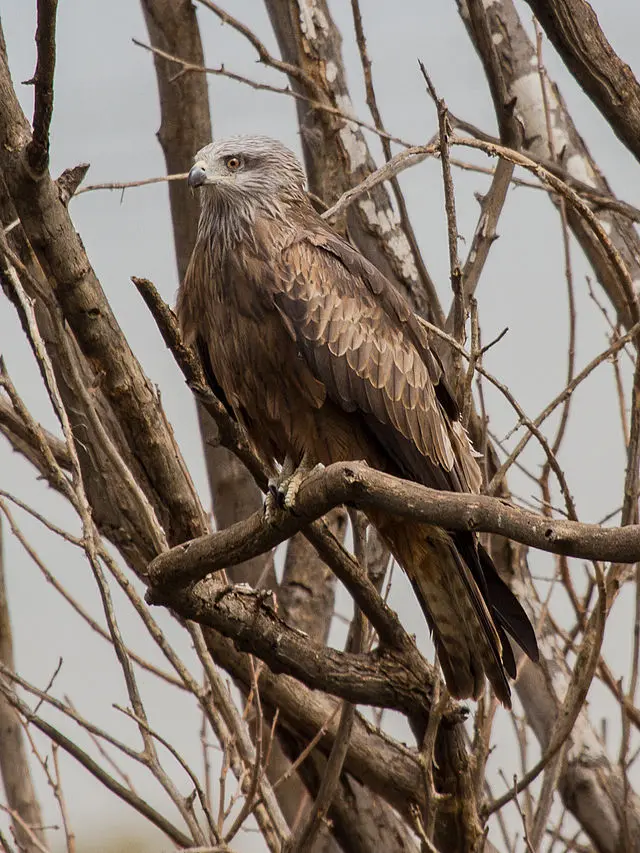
363,342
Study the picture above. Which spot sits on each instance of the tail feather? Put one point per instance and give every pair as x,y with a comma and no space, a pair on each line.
508,659
507,608
470,644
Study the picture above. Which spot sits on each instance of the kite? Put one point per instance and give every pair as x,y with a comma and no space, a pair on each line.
321,360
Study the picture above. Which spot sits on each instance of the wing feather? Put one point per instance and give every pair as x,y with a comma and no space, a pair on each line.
371,355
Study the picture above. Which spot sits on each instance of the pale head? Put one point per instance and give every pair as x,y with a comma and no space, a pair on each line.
247,166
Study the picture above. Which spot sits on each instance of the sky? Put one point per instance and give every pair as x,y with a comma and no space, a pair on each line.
106,113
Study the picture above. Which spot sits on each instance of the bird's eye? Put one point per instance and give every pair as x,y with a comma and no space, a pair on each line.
233,164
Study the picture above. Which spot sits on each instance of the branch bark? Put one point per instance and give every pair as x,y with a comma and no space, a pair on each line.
14,765
38,149
517,56
572,27
356,484
386,767
381,678
130,394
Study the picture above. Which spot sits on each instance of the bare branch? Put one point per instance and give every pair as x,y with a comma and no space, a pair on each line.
455,273
583,672
572,27
187,67
264,55
89,764
310,826
14,765
615,347
356,483
403,160
38,148
125,185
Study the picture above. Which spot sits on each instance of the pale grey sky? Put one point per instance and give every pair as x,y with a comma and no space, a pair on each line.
106,113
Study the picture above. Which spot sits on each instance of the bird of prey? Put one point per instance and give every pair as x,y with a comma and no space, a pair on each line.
321,360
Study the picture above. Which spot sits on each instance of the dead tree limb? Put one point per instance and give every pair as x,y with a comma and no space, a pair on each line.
14,765
572,27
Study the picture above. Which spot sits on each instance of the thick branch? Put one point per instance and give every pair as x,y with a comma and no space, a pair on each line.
173,28
502,103
518,62
386,767
357,484
381,678
131,396
572,27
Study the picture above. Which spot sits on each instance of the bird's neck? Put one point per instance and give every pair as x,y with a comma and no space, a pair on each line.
226,223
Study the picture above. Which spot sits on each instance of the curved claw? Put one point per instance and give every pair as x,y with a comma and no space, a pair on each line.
277,489
283,489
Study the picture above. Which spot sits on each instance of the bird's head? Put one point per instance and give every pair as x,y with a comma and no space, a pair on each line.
247,169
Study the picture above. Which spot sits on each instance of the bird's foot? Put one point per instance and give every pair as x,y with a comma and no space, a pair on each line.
291,486
283,489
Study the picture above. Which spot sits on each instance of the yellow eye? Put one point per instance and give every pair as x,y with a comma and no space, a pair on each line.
233,164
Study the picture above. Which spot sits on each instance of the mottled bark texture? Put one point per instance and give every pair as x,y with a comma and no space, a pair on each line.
14,764
566,148
573,28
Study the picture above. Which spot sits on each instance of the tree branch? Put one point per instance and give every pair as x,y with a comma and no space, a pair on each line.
517,57
380,678
572,27
387,767
130,394
94,768
14,765
354,483
38,148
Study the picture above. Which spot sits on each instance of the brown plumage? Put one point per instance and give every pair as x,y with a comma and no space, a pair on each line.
318,356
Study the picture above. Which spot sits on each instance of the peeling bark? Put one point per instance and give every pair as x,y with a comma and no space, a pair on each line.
519,66
572,27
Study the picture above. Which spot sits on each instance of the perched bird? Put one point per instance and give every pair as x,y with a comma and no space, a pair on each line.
321,360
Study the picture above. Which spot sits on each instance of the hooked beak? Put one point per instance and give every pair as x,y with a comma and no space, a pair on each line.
197,176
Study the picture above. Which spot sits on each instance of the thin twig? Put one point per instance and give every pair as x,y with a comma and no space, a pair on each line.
98,772
455,273
59,794
582,676
308,829
265,57
398,163
187,67
435,309
558,400
269,815
618,265
144,182
55,583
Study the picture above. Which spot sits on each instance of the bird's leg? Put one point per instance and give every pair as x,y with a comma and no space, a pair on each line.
284,488
291,485
276,486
